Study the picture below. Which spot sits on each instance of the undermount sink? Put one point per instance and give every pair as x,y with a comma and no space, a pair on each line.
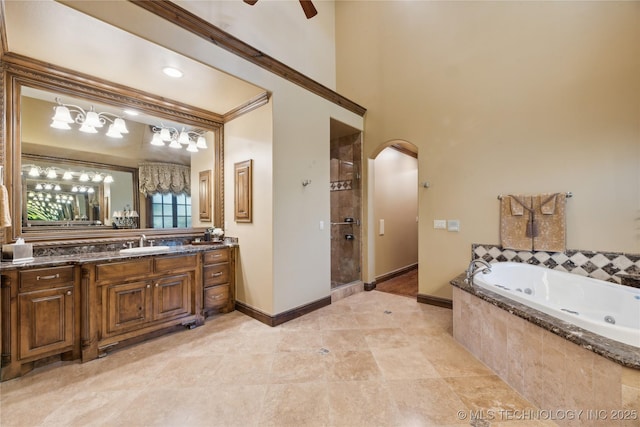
145,250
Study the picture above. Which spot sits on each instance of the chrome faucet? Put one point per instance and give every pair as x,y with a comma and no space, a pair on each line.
143,238
473,269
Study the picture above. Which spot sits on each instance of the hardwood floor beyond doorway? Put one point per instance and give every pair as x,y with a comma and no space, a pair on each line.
405,284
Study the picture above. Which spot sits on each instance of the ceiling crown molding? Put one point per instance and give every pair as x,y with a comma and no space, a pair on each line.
175,14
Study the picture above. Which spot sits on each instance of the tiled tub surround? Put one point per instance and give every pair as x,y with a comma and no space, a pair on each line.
608,266
545,360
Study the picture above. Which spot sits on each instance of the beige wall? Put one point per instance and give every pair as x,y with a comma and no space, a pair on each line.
396,202
502,97
250,137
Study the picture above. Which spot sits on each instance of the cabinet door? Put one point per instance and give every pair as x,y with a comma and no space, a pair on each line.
46,321
126,307
171,297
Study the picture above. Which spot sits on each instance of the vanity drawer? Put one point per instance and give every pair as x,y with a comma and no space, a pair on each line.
216,256
216,274
124,270
216,297
46,277
163,264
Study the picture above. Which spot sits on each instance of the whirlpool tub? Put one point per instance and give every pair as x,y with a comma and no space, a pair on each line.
607,309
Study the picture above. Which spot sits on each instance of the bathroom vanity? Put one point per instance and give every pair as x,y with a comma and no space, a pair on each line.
82,306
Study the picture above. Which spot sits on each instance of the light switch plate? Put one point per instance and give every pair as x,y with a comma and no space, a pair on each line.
440,224
453,224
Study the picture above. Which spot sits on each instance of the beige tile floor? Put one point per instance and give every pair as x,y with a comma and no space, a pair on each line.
372,359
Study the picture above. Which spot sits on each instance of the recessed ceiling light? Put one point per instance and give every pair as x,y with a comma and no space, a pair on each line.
172,72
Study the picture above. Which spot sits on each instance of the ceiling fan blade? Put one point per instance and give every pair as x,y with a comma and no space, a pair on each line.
251,2
309,10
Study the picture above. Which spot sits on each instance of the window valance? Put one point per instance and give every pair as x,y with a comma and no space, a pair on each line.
164,178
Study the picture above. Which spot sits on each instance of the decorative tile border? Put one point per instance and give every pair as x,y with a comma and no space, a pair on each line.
606,266
341,185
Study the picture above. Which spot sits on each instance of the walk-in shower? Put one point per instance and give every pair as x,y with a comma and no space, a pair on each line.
346,190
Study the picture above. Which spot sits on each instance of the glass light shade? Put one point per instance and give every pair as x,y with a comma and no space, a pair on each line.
62,115
202,143
120,125
84,177
175,144
67,175
34,171
74,189
59,125
68,201
32,194
97,178
184,138
165,134
87,128
113,132
48,186
108,179
192,147
39,186
51,174
157,139
90,190
134,214
93,119
57,187
82,189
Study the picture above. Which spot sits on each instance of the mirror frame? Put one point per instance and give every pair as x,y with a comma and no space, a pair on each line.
19,71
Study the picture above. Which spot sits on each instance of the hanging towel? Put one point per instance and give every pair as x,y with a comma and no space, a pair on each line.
513,227
548,203
517,208
5,217
551,217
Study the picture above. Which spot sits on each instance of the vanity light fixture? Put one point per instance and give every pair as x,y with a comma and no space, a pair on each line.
193,139
89,121
67,176
84,177
108,179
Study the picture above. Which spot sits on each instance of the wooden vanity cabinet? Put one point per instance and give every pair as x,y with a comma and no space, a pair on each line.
137,299
219,281
40,317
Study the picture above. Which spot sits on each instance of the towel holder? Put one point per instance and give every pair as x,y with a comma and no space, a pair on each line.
569,194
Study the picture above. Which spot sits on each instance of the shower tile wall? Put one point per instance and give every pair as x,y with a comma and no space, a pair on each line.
345,190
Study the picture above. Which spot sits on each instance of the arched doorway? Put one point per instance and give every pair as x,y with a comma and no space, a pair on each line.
395,218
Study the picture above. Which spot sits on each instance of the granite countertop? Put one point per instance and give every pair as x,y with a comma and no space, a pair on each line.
91,257
621,353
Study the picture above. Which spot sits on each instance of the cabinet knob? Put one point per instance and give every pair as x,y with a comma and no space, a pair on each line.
68,292
148,286
157,284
